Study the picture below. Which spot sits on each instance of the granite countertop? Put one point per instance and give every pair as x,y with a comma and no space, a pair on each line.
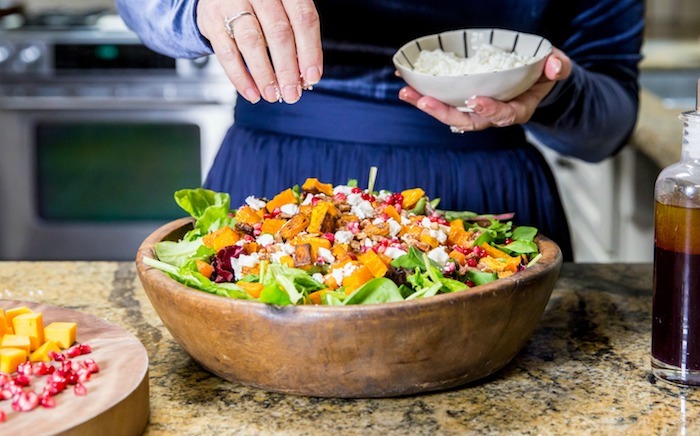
585,369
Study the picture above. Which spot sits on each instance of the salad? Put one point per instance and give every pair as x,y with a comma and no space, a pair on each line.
339,245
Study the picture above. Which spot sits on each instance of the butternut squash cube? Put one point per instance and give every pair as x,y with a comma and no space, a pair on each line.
62,333
42,354
16,341
10,314
32,325
10,358
3,323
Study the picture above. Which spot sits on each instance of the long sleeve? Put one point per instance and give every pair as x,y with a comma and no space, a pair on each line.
592,114
166,26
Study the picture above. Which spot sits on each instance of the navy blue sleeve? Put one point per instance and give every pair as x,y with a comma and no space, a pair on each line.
166,26
592,114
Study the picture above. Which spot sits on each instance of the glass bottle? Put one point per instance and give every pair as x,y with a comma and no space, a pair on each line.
675,341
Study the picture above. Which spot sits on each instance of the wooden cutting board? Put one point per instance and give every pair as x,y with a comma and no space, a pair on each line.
117,399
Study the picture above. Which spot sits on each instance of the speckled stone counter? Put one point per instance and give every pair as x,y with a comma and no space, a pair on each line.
585,369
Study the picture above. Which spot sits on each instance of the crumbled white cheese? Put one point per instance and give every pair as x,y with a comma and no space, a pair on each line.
254,203
289,209
340,273
487,58
439,255
342,189
244,260
343,236
394,252
325,255
439,235
394,227
426,223
265,239
318,277
363,210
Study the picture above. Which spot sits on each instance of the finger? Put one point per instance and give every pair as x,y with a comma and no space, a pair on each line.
251,42
444,113
210,20
557,65
499,113
306,26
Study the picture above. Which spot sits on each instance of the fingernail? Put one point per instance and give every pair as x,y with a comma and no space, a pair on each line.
291,93
557,66
272,93
312,76
252,95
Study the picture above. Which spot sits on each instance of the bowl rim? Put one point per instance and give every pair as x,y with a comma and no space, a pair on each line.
536,59
551,259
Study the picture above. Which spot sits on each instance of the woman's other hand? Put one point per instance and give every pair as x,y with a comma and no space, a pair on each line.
274,50
487,112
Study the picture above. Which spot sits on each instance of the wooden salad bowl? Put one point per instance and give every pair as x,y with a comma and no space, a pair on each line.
376,350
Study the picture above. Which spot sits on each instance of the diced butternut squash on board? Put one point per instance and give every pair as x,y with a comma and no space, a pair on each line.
16,341
43,353
31,325
10,314
10,359
62,333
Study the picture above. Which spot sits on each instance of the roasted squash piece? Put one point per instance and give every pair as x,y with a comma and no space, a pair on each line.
220,238
302,256
296,224
314,186
411,197
285,197
358,278
272,225
373,262
247,215
323,218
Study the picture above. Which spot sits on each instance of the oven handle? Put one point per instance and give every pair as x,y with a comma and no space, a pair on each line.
72,103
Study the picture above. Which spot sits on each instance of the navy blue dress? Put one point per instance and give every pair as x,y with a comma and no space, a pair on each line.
353,119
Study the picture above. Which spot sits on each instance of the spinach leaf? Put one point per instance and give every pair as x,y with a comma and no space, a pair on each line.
524,233
519,247
377,290
481,278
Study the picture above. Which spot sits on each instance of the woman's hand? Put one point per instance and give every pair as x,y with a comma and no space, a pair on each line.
275,48
487,112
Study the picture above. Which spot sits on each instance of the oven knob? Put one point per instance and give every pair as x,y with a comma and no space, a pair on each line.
6,52
30,54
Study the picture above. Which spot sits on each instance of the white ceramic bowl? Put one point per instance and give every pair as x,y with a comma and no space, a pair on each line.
454,90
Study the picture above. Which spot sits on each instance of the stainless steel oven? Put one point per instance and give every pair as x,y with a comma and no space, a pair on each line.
96,134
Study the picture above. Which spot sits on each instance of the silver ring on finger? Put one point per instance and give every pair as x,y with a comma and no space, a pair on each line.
455,129
228,21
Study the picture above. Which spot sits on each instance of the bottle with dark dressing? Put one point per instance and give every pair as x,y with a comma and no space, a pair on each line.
675,341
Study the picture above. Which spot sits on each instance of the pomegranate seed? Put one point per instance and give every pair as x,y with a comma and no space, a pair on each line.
47,401
40,368
471,262
91,365
508,241
58,357
314,201
470,283
5,394
24,368
478,251
356,190
25,402
329,236
74,352
72,378
84,375
4,378
80,389
3,416
22,380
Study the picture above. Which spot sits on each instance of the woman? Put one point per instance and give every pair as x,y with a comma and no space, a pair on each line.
360,114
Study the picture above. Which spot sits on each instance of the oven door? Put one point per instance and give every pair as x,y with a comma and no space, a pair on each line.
90,183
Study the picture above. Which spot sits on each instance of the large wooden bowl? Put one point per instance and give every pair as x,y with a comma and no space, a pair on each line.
379,350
